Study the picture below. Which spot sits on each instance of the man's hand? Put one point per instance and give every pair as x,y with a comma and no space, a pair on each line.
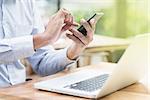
58,23
80,41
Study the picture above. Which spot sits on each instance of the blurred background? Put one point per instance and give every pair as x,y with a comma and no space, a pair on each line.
122,18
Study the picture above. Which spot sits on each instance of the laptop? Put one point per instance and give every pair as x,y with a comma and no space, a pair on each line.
131,68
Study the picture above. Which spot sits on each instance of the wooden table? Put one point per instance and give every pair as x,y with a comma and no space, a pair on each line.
99,44
138,91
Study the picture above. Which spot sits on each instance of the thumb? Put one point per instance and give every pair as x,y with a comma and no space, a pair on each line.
93,23
63,13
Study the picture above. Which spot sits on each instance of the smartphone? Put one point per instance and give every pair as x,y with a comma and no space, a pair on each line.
96,16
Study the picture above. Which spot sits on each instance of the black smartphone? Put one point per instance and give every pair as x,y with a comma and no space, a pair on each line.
95,16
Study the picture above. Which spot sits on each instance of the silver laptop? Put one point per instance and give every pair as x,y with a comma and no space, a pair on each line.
91,84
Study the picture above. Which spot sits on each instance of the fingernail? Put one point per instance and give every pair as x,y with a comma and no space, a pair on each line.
92,21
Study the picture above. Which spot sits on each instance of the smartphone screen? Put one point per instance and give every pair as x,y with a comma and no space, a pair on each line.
82,29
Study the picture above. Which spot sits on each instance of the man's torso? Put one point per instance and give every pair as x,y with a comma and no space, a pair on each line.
16,19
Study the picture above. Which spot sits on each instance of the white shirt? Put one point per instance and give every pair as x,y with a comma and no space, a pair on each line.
18,22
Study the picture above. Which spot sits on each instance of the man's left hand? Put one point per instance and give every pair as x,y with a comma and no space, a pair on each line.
80,41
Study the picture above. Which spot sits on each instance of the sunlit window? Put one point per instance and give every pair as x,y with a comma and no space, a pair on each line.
122,18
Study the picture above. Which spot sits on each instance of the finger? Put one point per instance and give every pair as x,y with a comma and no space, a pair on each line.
64,13
75,23
68,18
93,23
70,21
86,25
88,28
75,39
80,36
67,27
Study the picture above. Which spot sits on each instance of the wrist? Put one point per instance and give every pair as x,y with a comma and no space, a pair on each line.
40,40
74,51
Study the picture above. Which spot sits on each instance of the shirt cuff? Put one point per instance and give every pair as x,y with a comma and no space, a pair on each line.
69,62
22,46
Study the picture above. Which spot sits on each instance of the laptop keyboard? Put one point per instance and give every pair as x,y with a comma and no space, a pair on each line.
89,85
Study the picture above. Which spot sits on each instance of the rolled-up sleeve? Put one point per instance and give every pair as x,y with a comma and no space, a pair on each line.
47,61
16,48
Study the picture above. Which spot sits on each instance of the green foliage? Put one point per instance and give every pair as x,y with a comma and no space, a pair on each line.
136,21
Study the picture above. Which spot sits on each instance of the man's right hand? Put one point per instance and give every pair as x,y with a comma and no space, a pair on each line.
58,23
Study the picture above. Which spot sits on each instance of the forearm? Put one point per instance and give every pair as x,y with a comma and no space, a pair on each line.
40,40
